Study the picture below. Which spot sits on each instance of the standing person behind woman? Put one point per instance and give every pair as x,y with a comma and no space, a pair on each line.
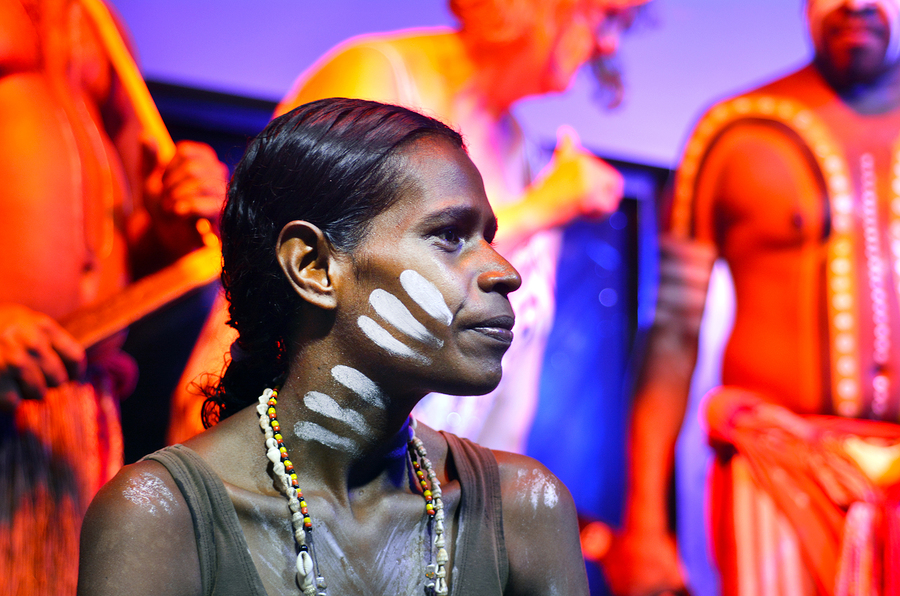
503,52
360,274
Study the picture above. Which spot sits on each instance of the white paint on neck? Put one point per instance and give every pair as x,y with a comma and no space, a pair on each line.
381,337
314,432
326,406
359,384
394,312
426,295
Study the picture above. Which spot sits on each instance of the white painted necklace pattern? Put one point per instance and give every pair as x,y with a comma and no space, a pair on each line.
309,579
875,269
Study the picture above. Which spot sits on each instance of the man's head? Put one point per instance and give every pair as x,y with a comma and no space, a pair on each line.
856,41
552,37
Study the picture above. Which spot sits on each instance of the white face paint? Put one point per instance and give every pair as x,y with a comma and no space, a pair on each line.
380,336
326,406
394,312
359,384
148,491
313,432
426,295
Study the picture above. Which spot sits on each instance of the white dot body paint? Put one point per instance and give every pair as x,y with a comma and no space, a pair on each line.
394,312
542,490
380,336
314,432
326,406
359,384
148,491
426,295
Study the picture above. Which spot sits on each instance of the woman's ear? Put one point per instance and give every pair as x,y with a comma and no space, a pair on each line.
306,257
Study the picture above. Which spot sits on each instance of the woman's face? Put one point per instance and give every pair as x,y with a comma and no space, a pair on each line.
427,308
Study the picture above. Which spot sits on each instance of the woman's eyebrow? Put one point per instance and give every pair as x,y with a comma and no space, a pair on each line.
465,215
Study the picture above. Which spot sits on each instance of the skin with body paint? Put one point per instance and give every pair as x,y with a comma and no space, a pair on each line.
345,403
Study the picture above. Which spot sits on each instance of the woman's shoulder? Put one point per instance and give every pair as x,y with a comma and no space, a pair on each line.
537,504
529,487
136,525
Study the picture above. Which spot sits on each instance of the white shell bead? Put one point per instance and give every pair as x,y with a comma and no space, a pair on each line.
305,567
441,572
439,541
263,422
297,518
440,587
438,527
274,455
278,468
294,504
261,408
272,443
442,556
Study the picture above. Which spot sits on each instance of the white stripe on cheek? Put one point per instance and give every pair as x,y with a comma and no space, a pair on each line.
426,295
313,432
394,312
380,336
359,384
326,406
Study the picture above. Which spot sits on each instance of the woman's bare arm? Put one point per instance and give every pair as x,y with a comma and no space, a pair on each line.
541,530
138,538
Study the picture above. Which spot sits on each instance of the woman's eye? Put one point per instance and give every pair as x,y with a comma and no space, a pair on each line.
449,235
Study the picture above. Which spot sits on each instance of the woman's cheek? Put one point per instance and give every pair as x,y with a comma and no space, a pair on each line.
395,319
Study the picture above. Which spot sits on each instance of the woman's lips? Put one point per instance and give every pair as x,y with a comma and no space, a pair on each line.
497,328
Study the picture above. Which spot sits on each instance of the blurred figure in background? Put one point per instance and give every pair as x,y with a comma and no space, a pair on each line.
796,186
85,206
503,51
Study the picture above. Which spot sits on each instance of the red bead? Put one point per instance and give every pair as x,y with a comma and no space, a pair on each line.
304,510
307,523
275,426
420,474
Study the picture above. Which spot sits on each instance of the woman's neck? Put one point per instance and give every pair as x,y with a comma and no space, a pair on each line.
343,433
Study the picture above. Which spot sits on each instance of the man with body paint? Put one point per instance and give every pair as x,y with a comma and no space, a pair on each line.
503,52
87,203
796,186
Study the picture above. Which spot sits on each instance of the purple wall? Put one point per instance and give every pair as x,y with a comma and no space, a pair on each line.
685,54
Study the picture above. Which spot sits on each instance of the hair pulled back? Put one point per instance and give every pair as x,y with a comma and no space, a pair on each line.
332,163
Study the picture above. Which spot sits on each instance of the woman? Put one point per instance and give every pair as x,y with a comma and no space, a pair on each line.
360,274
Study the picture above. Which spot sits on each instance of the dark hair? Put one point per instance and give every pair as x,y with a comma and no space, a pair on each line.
333,163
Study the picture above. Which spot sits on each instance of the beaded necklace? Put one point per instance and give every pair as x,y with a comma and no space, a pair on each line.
310,580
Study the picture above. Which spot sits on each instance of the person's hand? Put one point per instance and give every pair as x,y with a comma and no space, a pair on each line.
189,189
581,182
685,267
644,564
35,353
